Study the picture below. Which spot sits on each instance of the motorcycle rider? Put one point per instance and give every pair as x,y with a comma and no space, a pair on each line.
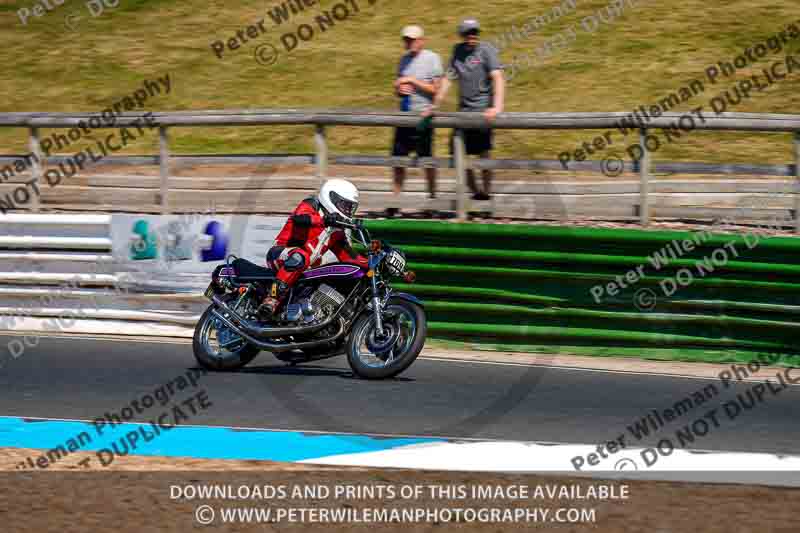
311,230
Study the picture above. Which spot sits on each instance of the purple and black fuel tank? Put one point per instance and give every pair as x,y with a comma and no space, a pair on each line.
341,276
335,270
246,271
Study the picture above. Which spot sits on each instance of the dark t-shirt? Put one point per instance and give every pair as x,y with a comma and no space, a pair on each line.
472,67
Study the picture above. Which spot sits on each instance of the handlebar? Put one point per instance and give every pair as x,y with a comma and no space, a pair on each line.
358,226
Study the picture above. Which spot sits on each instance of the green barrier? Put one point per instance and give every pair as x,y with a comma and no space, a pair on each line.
468,256
600,241
521,314
468,275
695,325
493,284
443,292
593,337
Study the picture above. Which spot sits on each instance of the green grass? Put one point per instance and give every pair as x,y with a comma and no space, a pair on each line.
649,51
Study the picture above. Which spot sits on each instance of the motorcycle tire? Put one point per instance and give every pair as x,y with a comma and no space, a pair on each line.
398,365
239,359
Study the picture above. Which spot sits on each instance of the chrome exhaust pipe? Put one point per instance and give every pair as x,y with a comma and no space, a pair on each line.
256,331
270,346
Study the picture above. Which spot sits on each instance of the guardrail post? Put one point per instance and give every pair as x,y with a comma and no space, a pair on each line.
644,183
321,144
797,182
37,163
163,163
459,154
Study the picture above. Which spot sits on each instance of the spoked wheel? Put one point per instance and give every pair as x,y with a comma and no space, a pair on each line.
218,348
375,355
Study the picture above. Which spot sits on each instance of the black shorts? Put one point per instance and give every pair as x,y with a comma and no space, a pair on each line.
476,142
407,140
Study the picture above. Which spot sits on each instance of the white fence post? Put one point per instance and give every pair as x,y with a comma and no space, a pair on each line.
459,154
644,184
37,163
321,143
163,163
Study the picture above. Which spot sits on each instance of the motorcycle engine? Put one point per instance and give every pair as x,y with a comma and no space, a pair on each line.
321,304
326,298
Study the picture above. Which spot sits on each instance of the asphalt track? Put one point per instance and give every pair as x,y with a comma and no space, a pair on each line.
81,379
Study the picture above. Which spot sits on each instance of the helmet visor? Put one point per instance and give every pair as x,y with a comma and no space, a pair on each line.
344,205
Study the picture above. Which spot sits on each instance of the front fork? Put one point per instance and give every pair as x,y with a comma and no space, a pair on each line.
377,307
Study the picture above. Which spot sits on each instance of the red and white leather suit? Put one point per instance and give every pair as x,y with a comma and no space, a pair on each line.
303,242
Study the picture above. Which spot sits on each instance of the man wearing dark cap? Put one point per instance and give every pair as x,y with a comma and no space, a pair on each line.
481,89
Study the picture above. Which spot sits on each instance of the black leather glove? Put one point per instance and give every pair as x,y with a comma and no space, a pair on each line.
332,219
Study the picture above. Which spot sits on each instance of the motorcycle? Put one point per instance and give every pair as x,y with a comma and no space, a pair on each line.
334,309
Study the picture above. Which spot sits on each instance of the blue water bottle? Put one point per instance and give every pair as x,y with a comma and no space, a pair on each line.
405,103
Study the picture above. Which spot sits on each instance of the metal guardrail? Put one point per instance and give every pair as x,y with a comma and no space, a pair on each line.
49,270
323,118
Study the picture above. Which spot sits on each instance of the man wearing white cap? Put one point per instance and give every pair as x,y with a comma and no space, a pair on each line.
418,76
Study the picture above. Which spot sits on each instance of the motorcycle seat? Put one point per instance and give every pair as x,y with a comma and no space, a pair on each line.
247,271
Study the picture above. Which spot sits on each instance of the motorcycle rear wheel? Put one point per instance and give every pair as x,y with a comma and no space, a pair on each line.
209,335
404,320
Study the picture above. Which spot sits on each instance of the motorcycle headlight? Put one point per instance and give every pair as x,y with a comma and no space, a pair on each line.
396,263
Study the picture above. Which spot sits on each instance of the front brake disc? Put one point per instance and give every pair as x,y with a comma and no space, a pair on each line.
382,347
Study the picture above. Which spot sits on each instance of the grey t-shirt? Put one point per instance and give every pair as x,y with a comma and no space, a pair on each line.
472,67
425,66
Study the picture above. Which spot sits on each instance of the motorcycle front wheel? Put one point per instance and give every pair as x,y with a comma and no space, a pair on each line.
218,348
374,356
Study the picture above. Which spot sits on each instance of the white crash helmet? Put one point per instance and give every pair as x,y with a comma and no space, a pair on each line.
339,196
